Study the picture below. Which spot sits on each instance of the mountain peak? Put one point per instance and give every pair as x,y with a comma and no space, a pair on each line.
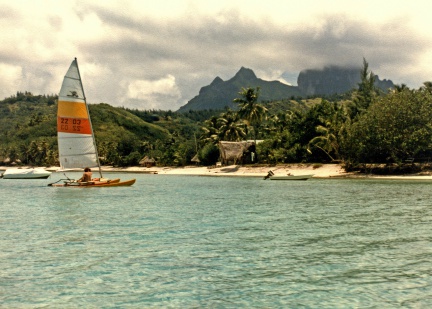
328,81
220,94
216,81
245,73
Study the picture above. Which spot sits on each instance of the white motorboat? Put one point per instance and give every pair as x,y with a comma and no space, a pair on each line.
26,173
291,177
272,176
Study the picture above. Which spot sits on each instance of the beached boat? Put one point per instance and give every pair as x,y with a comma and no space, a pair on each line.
270,175
76,141
26,173
291,177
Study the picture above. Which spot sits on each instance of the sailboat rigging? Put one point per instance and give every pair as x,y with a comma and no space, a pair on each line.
76,141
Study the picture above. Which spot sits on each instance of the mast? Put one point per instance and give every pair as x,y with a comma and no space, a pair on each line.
88,113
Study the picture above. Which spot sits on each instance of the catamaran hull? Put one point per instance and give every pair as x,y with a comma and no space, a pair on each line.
95,184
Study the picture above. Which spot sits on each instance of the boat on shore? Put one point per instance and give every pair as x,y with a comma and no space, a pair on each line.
270,175
25,173
76,140
292,177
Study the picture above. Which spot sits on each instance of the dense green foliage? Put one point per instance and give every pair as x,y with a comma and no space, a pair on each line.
28,133
362,126
396,127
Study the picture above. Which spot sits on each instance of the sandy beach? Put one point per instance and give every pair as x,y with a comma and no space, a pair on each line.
318,171
324,171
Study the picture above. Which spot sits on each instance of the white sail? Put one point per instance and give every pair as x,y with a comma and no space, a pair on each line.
76,142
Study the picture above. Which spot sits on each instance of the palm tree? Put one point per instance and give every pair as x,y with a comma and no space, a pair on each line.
229,127
33,152
44,152
327,141
329,132
400,88
281,121
427,86
250,111
23,149
12,152
210,131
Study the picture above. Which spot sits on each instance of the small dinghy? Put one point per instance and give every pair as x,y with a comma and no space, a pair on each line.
272,176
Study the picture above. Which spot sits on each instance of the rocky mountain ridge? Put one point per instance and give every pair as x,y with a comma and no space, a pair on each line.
334,80
330,80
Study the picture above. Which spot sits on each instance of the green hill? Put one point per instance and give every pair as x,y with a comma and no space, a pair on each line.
26,117
28,124
112,123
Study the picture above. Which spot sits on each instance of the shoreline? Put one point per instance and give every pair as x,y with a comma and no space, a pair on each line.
320,171
325,171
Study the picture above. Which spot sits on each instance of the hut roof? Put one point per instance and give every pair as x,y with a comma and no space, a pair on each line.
196,159
233,151
146,160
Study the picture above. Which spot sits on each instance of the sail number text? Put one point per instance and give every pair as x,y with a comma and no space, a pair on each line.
68,124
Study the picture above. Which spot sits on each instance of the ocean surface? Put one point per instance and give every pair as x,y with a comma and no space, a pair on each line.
216,242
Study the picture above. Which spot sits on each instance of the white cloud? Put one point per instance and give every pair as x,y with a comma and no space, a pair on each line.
10,80
124,47
272,75
161,92
145,89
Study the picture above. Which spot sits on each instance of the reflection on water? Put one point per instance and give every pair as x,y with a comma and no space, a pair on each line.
176,241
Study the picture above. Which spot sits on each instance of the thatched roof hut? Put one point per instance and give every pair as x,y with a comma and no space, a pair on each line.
236,152
195,159
147,162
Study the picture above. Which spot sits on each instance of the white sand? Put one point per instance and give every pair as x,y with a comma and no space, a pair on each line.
318,171
323,171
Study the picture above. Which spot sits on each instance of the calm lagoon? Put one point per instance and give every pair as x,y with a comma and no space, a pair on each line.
224,242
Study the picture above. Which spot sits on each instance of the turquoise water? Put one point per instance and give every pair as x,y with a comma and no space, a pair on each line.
219,242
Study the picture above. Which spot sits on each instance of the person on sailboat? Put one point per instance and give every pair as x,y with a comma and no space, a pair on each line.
87,176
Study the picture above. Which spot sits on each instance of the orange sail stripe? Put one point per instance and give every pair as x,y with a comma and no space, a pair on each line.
73,125
72,109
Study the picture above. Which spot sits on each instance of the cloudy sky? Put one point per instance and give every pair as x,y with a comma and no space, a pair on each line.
158,54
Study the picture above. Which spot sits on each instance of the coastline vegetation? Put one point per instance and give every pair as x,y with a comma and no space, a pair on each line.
362,127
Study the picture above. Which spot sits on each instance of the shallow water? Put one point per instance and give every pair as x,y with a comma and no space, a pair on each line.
185,241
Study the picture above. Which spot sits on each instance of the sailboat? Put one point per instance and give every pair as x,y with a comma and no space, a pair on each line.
76,141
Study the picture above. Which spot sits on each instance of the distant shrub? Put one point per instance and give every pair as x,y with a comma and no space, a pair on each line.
209,154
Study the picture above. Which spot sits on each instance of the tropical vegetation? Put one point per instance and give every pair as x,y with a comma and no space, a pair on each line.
363,126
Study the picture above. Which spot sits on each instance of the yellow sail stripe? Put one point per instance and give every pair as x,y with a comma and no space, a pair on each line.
72,109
